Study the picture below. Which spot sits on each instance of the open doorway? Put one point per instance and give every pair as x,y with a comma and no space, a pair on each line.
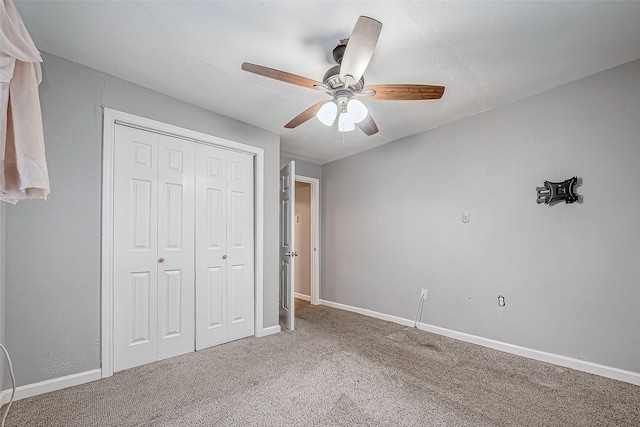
302,221
306,273
307,212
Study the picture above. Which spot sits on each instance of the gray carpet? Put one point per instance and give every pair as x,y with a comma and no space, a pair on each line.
340,369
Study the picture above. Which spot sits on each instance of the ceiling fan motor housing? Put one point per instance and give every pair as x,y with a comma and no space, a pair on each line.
332,76
332,79
338,51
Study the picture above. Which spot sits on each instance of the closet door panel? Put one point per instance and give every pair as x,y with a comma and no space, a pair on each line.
216,294
135,247
237,301
211,246
240,245
140,307
176,181
170,291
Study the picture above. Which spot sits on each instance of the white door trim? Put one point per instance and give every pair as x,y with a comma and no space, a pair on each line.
113,117
315,236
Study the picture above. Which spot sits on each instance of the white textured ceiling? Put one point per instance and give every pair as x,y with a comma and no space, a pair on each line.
487,54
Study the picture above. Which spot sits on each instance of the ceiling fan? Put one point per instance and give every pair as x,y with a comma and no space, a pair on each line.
345,83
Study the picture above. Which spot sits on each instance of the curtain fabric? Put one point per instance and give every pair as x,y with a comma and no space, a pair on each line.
23,167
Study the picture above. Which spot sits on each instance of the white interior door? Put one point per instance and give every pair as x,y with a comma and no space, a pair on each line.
211,247
224,246
176,229
287,239
153,247
135,248
240,245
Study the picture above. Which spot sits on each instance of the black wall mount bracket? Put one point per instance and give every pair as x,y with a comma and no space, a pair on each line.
556,192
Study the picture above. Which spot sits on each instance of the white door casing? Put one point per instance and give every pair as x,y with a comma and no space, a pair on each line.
153,241
224,246
287,249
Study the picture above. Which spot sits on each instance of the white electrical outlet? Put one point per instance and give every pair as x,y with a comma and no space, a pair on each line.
423,294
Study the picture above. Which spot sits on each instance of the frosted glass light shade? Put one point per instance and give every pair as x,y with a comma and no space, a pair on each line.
356,110
327,113
345,124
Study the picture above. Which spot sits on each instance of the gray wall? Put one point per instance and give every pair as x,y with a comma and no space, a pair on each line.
304,168
53,247
570,273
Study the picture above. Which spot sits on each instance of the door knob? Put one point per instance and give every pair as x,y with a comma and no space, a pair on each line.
161,260
291,254
224,257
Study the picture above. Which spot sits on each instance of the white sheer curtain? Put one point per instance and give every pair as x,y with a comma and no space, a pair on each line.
23,167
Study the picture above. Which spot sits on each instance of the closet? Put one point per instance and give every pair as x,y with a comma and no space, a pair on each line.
183,246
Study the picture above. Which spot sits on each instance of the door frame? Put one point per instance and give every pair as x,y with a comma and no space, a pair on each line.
110,119
315,235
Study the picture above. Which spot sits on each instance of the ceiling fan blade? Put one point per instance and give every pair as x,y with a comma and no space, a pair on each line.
402,92
305,115
368,125
283,76
359,49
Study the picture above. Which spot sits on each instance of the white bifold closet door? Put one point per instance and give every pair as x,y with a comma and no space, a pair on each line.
183,246
224,246
154,247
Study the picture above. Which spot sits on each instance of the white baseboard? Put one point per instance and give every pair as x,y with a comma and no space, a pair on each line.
54,384
268,331
370,313
302,296
567,362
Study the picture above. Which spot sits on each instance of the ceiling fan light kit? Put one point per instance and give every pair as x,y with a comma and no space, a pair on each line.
351,111
345,81
327,113
356,110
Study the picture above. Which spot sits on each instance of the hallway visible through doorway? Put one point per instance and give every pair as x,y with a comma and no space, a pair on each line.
303,245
